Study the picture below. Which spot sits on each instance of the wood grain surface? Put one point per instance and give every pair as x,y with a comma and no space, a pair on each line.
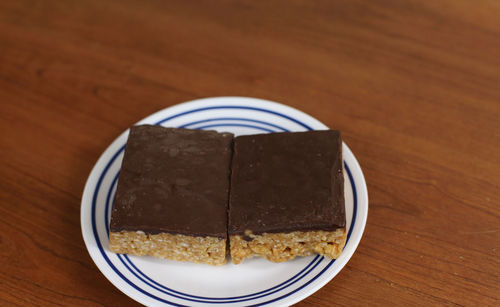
413,85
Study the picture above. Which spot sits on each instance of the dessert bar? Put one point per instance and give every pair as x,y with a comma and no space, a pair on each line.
287,196
172,195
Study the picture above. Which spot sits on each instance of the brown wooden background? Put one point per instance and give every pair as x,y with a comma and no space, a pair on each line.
413,85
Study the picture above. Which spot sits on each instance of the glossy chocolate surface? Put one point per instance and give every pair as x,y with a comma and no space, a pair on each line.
284,182
174,181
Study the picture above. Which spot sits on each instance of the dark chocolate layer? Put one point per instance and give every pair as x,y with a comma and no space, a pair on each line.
284,182
174,181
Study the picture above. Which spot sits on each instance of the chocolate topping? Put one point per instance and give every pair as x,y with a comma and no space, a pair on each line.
284,182
174,181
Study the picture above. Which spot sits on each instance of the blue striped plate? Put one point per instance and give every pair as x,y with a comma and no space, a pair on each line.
157,282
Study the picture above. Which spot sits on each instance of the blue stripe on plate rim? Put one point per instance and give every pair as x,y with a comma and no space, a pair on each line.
232,118
126,260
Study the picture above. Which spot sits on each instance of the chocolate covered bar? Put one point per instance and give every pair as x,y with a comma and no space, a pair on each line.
172,194
287,196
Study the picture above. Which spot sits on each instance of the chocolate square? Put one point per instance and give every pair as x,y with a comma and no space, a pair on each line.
173,181
285,182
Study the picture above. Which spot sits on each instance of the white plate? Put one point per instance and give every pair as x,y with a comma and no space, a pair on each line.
156,282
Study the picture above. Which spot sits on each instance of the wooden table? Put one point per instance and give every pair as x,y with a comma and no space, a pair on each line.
413,85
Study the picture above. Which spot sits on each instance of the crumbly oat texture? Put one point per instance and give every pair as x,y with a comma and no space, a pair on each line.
209,250
279,247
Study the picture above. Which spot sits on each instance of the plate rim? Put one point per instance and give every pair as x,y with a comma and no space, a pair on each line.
357,179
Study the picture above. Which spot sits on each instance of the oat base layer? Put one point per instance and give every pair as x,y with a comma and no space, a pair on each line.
279,247
209,250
